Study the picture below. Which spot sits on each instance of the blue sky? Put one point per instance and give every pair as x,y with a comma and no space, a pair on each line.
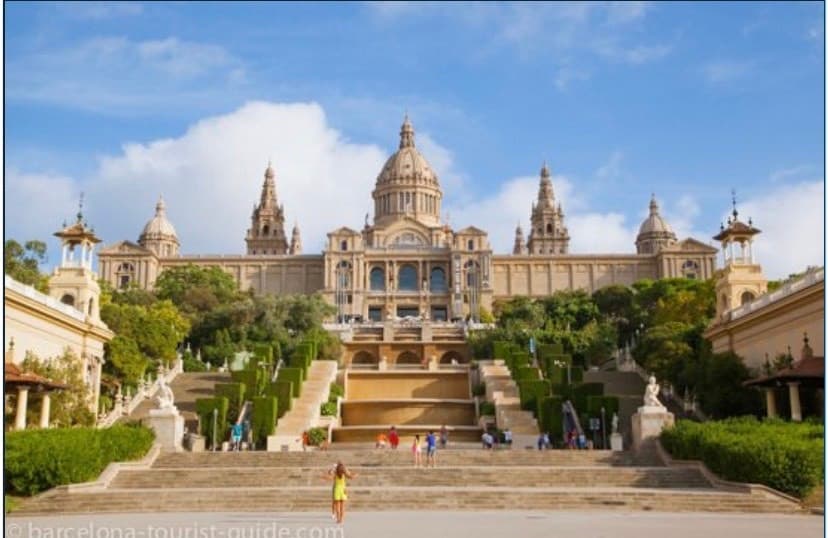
129,101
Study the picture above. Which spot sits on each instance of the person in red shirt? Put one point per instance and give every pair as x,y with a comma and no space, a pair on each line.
393,438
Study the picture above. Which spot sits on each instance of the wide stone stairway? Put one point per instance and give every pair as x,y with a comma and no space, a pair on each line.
464,480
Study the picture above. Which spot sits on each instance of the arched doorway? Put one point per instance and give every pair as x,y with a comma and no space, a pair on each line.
453,357
408,358
363,359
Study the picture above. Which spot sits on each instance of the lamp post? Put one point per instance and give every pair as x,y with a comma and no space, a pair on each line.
603,428
215,422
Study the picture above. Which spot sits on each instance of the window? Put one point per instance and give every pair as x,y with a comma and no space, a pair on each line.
689,269
343,246
438,279
377,278
407,280
747,297
123,281
549,228
343,275
471,244
408,311
439,313
375,313
265,230
68,299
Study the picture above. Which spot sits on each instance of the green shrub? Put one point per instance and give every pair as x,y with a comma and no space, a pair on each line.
595,403
581,392
283,391
501,350
37,460
254,379
548,350
577,374
234,392
301,357
263,352
521,358
263,419
550,415
337,391
317,435
487,408
479,389
527,373
191,364
204,409
784,456
294,375
531,392
328,409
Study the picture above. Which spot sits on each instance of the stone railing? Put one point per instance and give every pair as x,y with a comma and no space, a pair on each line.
811,278
125,405
42,298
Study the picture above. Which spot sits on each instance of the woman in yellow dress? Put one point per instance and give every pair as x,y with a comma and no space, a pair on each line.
339,494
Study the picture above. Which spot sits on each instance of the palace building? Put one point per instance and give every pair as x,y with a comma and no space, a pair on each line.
408,261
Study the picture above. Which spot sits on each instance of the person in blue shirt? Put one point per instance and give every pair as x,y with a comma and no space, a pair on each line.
431,449
236,435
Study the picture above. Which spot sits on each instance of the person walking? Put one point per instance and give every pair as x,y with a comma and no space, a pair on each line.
431,449
393,438
339,476
417,451
235,437
443,436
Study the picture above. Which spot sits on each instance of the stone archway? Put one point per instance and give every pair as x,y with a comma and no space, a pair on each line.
364,358
408,358
450,356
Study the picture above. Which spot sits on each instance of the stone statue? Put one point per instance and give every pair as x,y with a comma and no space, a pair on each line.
651,394
615,423
165,396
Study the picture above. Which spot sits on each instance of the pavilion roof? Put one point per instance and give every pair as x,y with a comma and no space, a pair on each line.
809,369
13,375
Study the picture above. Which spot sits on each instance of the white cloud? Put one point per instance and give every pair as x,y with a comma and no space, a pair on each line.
725,71
612,169
100,10
792,220
114,74
790,173
625,12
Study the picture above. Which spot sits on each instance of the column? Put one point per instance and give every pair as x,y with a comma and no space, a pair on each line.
22,404
770,403
45,406
796,408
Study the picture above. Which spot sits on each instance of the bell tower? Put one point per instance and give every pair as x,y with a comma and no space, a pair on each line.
73,282
266,235
548,234
741,280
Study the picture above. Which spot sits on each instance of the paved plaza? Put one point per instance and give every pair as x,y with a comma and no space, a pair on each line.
417,524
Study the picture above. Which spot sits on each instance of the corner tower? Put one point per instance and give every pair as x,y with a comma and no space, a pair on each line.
741,280
267,228
407,186
548,234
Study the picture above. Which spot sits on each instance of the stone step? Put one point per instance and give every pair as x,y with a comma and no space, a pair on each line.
388,498
575,477
402,457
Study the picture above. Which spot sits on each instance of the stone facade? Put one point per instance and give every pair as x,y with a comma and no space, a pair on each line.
408,261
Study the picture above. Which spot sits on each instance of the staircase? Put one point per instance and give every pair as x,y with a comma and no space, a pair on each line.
503,391
304,412
465,480
186,388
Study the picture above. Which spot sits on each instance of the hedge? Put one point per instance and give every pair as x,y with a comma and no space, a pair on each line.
328,409
263,352
502,350
263,419
254,380
531,392
550,415
282,390
234,392
581,392
294,375
595,403
204,409
784,456
527,373
546,350
37,460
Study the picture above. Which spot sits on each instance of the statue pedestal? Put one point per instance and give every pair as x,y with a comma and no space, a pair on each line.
168,425
647,424
616,442
433,365
382,364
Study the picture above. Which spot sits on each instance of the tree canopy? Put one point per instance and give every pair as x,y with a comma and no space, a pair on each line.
21,262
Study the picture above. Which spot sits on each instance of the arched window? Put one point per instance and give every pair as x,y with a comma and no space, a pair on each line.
343,275
690,269
343,245
68,299
407,278
91,306
265,230
747,297
438,279
377,277
471,244
549,228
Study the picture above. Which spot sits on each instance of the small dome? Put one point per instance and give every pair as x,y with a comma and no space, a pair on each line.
407,164
159,226
655,223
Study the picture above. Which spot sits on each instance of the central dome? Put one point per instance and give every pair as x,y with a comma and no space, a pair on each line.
407,164
158,226
407,187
